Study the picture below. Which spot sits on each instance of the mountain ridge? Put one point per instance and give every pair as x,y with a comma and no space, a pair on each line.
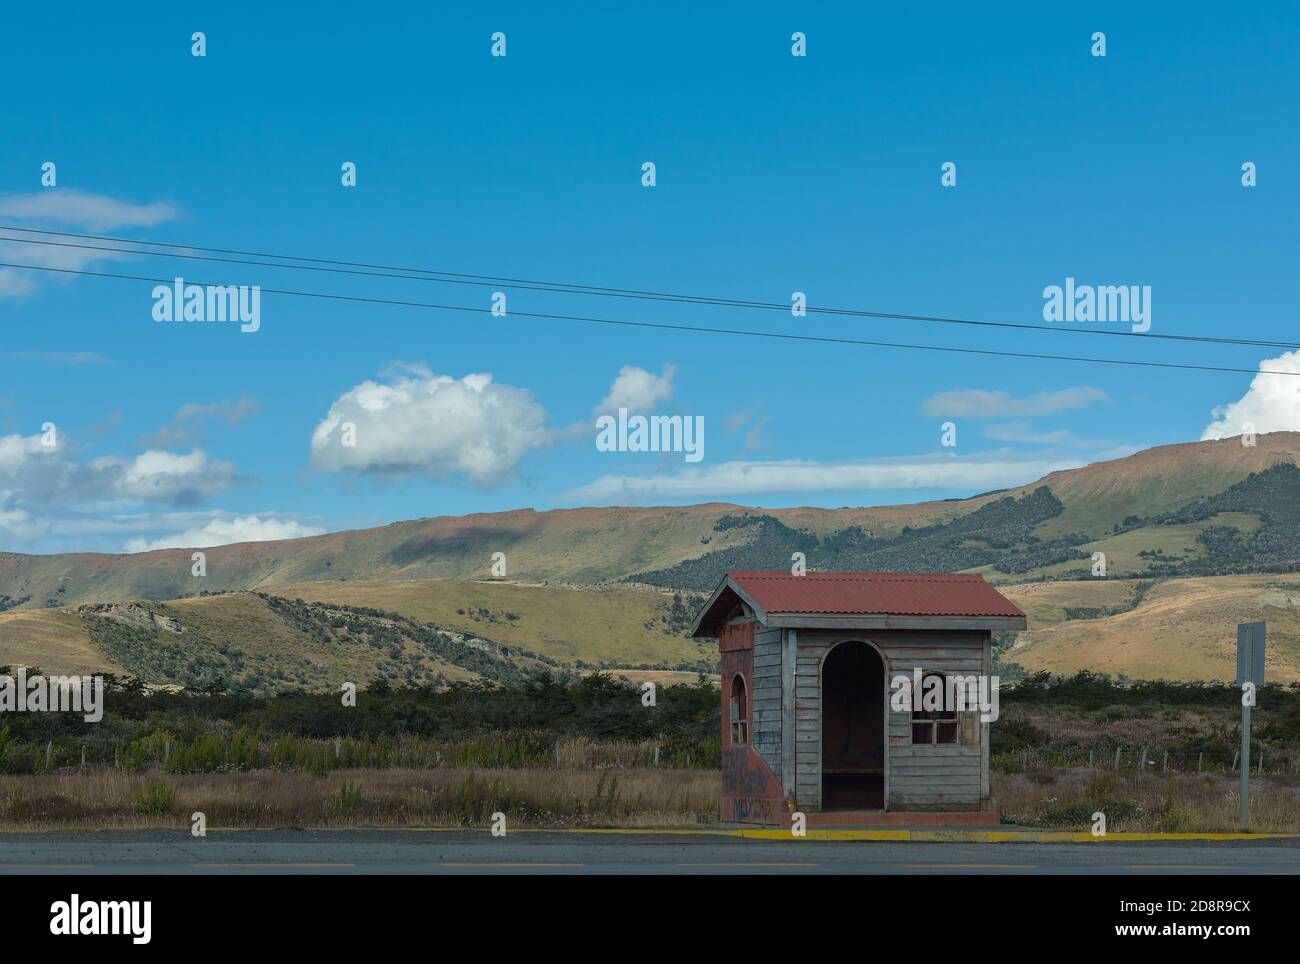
602,544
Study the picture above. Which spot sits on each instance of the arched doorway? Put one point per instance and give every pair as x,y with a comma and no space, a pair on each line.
853,728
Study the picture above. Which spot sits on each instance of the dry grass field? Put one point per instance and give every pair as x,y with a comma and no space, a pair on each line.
443,796
54,639
1184,629
585,797
1181,628
1045,603
565,623
1153,802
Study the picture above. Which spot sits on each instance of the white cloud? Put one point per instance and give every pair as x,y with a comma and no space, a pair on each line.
17,525
97,211
186,426
736,420
18,451
638,390
61,357
29,468
981,403
432,425
754,440
35,473
158,476
1024,432
1271,404
740,479
228,531
67,207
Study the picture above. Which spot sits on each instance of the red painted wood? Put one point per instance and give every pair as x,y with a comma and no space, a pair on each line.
751,793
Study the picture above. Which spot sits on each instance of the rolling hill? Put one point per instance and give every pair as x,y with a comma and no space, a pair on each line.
689,546
250,641
617,625
317,634
1180,629
1188,532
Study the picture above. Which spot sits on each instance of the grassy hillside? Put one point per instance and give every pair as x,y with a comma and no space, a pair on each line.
316,635
690,546
53,639
611,624
1157,480
1143,551
1174,629
1048,603
1180,629
410,601
265,644
566,545
1001,526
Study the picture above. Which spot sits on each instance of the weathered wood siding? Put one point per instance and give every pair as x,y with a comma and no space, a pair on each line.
918,777
807,715
751,792
767,697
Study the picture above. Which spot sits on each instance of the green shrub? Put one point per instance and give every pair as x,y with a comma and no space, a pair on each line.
346,799
155,798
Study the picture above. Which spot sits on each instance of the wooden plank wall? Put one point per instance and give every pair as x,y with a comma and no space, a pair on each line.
751,791
766,723
919,777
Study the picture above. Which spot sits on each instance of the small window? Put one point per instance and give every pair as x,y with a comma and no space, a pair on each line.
939,726
739,712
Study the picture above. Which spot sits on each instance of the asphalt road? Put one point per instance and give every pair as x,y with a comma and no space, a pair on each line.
521,852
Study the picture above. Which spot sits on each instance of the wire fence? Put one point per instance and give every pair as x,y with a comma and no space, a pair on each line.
1148,758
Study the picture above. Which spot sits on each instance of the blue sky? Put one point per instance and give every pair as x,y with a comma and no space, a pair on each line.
774,174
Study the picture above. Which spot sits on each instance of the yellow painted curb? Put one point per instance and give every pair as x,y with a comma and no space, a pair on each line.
632,831
998,836
815,833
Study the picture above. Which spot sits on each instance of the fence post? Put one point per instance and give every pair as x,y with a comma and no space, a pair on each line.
1235,757
49,749
656,758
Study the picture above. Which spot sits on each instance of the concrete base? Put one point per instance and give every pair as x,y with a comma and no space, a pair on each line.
904,818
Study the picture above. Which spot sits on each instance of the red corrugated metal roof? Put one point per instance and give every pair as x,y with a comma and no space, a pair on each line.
874,593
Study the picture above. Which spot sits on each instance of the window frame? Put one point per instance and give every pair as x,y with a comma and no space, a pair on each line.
738,728
929,722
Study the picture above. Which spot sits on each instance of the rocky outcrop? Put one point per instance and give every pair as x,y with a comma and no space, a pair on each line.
134,615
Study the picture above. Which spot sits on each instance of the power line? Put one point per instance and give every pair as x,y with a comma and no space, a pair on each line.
361,268
823,339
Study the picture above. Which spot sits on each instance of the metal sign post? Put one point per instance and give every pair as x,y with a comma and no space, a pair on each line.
1250,669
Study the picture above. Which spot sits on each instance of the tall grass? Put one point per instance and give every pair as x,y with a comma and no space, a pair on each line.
441,797
246,749
1158,802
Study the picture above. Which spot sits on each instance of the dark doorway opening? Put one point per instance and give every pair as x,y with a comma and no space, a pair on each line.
853,728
